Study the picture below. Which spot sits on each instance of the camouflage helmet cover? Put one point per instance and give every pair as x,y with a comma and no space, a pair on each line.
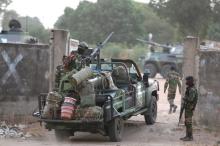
190,81
82,47
189,78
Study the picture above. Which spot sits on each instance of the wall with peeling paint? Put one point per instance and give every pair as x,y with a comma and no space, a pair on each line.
209,89
204,64
24,73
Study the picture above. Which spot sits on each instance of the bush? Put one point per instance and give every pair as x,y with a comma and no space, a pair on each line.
123,51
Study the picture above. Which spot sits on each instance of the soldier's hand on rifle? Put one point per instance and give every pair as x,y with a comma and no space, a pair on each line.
184,99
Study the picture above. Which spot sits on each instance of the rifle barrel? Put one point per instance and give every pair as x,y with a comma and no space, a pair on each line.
106,40
96,50
154,43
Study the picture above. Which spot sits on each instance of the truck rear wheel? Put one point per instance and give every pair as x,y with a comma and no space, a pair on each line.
151,115
115,129
62,135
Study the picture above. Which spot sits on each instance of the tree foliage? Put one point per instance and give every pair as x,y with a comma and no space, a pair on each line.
4,4
32,25
216,10
214,32
129,20
192,17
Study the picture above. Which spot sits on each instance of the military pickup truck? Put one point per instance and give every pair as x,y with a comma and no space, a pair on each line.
135,94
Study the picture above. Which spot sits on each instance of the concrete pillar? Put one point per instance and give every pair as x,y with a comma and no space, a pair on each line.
190,60
58,48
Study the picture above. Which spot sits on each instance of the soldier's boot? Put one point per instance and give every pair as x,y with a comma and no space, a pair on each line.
187,139
185,136
170,111
174,108
190,137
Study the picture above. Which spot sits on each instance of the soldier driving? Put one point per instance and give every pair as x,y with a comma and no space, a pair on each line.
173,79
189,104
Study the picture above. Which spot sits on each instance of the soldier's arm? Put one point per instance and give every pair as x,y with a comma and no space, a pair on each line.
192,95
166,85
179,85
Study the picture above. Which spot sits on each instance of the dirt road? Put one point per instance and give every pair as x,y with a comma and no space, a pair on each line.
164,133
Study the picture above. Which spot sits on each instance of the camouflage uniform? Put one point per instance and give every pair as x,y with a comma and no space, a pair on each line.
69,63
78,62
190,101
58,74
173,79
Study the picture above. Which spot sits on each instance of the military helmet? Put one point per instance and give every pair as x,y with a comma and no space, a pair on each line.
82,47
190,81
189,78
14,24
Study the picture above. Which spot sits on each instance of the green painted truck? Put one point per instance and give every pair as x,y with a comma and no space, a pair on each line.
135,94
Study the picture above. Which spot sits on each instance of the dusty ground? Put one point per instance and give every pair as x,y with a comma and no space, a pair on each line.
164,133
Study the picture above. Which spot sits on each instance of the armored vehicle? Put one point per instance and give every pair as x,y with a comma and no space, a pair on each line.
162,57
129,95
16,35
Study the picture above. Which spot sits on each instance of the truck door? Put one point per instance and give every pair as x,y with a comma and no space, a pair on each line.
140,94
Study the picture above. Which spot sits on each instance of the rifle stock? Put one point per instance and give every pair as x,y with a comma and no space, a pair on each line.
181,112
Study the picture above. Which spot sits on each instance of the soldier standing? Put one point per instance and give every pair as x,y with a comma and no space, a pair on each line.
190,100
71,62
81,56
173,79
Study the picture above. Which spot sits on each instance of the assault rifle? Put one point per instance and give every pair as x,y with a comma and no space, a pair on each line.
183,105
95,54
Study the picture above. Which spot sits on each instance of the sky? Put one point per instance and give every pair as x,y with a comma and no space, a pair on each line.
47,11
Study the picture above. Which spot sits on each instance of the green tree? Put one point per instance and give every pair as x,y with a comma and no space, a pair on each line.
4,4
216,10
214,27
162,31
35,28
8,15
192,17
214,32
128,19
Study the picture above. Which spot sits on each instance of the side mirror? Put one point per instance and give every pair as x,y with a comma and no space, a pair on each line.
146,77
147,72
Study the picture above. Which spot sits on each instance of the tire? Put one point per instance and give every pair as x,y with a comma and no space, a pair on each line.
165,70
152,68
151,115
62,135
115,129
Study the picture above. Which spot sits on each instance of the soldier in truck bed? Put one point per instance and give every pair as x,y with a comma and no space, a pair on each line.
173,80
71,62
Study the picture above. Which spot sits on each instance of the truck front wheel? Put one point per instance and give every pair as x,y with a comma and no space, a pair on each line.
115,129
151,115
